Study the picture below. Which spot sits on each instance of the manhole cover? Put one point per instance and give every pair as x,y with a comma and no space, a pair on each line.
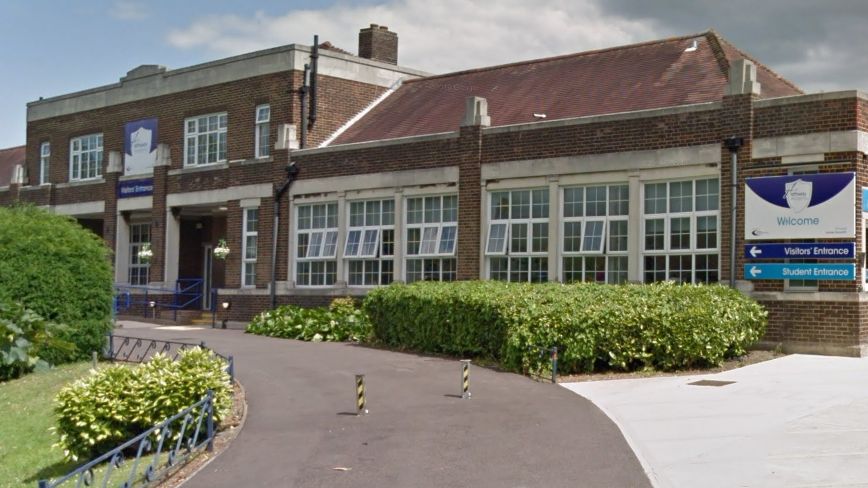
711,383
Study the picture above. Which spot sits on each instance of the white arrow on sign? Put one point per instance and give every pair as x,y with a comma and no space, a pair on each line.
755,271
755,251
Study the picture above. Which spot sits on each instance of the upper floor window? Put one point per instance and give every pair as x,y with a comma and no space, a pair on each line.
44,159
205,139
85,157
431,235
263,126
518,235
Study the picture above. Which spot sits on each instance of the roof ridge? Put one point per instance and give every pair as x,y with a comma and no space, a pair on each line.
561,56
13,148
722,40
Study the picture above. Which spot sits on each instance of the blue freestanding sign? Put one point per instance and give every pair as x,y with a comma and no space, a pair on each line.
800,271
801,250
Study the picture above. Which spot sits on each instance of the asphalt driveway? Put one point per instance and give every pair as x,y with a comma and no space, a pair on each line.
514,432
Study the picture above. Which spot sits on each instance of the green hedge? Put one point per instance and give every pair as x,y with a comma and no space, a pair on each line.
118,402
626,327
342,321
59,270
22,334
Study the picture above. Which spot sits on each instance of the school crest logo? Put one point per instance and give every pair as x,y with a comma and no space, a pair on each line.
798,194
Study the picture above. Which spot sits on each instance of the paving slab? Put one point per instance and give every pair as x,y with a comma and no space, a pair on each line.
513,432
795,421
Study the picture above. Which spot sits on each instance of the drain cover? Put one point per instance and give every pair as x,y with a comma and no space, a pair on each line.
711,383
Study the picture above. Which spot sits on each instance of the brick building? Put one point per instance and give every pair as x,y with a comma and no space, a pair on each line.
612,165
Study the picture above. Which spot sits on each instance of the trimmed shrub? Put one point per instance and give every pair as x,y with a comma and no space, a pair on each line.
22,334
342,321
59,270
662,325
116,403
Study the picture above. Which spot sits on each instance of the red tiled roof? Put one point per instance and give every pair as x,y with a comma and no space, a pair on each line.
8,159
650,75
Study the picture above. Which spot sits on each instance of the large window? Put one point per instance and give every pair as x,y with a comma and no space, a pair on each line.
518,235
205,139
249,252
680,231
432,234
263,126
316,244
370,243
594,231
44,160
140,234
85,157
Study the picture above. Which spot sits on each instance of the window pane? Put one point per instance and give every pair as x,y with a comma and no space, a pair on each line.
447,240
518,238
595,269
429,240
356,273
706,232
679,233
450,208
617,269
572,236
329,249
388,242
540,204
303,240
357,214
449,269
593,238
706,268
414,239
573,200
432,209
655,198
500,205
499,269
707,195
372,213
332,215
519,269
314,248
681,269
540,238
496,239
520,205
573,269
539,270
370,242
680,196
619,200
250,247
595,201
654,234
618,236
655,268
304,219
388,207
414,210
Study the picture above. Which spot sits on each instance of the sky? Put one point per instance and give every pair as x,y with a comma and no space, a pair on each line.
52,47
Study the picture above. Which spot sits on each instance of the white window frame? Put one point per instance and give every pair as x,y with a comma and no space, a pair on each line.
327,235
506,251
193,131
584,220
668,216
442,259
263,128
77,154
245,259
44,162
375,256
134,246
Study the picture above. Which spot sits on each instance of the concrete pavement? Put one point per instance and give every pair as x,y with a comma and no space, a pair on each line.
796,421
514,432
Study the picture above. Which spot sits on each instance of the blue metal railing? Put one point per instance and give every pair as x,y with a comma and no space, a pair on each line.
176,439
188,292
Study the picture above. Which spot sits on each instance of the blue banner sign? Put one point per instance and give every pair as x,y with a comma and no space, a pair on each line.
136,188
800,271
801,250
865,199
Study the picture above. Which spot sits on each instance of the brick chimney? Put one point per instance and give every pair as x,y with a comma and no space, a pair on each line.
378,43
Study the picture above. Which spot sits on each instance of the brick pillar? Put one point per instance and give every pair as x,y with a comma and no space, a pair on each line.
234,221
470,234
158,216
736,120
110,214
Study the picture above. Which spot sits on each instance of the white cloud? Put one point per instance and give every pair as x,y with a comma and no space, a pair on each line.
129,10
434,36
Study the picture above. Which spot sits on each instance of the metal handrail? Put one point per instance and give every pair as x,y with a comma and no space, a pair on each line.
139,349
185,444
183,287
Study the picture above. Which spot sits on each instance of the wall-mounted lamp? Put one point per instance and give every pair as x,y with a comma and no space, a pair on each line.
225,306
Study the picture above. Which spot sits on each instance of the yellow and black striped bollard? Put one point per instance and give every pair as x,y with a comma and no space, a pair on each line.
361,403
465,378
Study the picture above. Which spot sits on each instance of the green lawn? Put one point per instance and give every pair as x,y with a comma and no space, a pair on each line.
26,416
